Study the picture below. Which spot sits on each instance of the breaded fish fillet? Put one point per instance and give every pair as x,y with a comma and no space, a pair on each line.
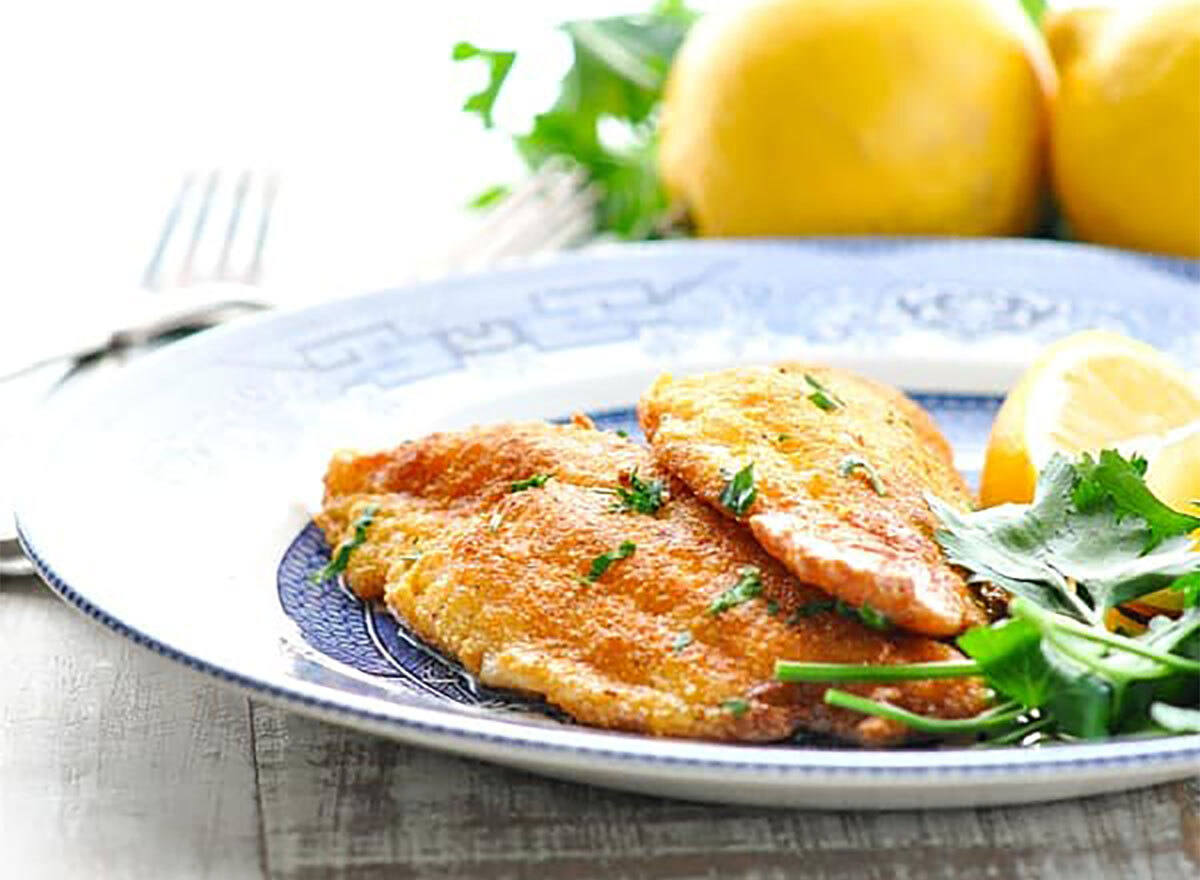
665,621
840,468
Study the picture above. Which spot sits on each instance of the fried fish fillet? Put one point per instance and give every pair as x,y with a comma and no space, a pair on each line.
676,635
841,465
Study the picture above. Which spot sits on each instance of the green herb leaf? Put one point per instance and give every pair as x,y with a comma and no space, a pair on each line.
1010,655
602,562
537,481
1035,9
489,197
642,496
1084,544
739,492
1189,585
499,64
337,565
736,707
821,396
772,607
1122,482
681,641
873,619
748,586
852,463
616,79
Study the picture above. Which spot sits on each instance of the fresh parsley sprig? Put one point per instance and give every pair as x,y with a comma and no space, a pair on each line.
604,561
341,558
617,77
749,586
640,496
739,492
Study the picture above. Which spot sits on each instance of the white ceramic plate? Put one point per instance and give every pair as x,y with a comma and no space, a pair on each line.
172,505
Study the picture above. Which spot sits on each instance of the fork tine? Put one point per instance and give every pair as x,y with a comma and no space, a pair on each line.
235,216
152,277
270,189
186,273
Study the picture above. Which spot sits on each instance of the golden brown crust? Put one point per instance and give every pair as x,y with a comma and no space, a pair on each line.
502,585
829,526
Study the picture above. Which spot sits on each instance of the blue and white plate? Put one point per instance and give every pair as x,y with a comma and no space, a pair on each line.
172,505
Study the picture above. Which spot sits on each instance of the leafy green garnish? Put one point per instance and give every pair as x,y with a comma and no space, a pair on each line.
337,565
616,80
865,615
1189,585
537,481
604,561
641,496
748,586
1094,537
772,607
681,641
852,463
482,102
821,396
1116,484
739,492
736,707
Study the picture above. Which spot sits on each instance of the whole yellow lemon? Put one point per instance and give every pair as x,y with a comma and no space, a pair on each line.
810,117
1126,125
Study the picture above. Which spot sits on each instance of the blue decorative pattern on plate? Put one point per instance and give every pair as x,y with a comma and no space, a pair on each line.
218,482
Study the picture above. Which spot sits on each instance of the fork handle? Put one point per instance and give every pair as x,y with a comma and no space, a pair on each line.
141,320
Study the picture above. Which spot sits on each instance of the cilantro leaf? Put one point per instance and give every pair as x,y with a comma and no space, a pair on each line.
821,396
1122,483
536,481
641,496
604,561
1084,544
337,565
736,707
748,586
1189,585
1010,654
616,79
739,492
499,64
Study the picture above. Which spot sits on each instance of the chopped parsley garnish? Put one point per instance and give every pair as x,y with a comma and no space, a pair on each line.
681,641
622,433
748,586
641,496
852,463
534,482
783,438
865,614
736,707
821,396
772,607
739,492
1094,537
337,565
602,562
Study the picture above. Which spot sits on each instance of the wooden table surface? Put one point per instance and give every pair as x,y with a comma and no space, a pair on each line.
115,762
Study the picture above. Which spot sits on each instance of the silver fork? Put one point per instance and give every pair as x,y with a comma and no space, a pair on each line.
211,277
200,273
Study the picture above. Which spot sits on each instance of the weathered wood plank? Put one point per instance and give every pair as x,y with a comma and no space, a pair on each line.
340,804
115,762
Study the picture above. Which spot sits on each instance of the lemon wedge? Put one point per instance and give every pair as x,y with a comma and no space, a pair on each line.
1091,391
